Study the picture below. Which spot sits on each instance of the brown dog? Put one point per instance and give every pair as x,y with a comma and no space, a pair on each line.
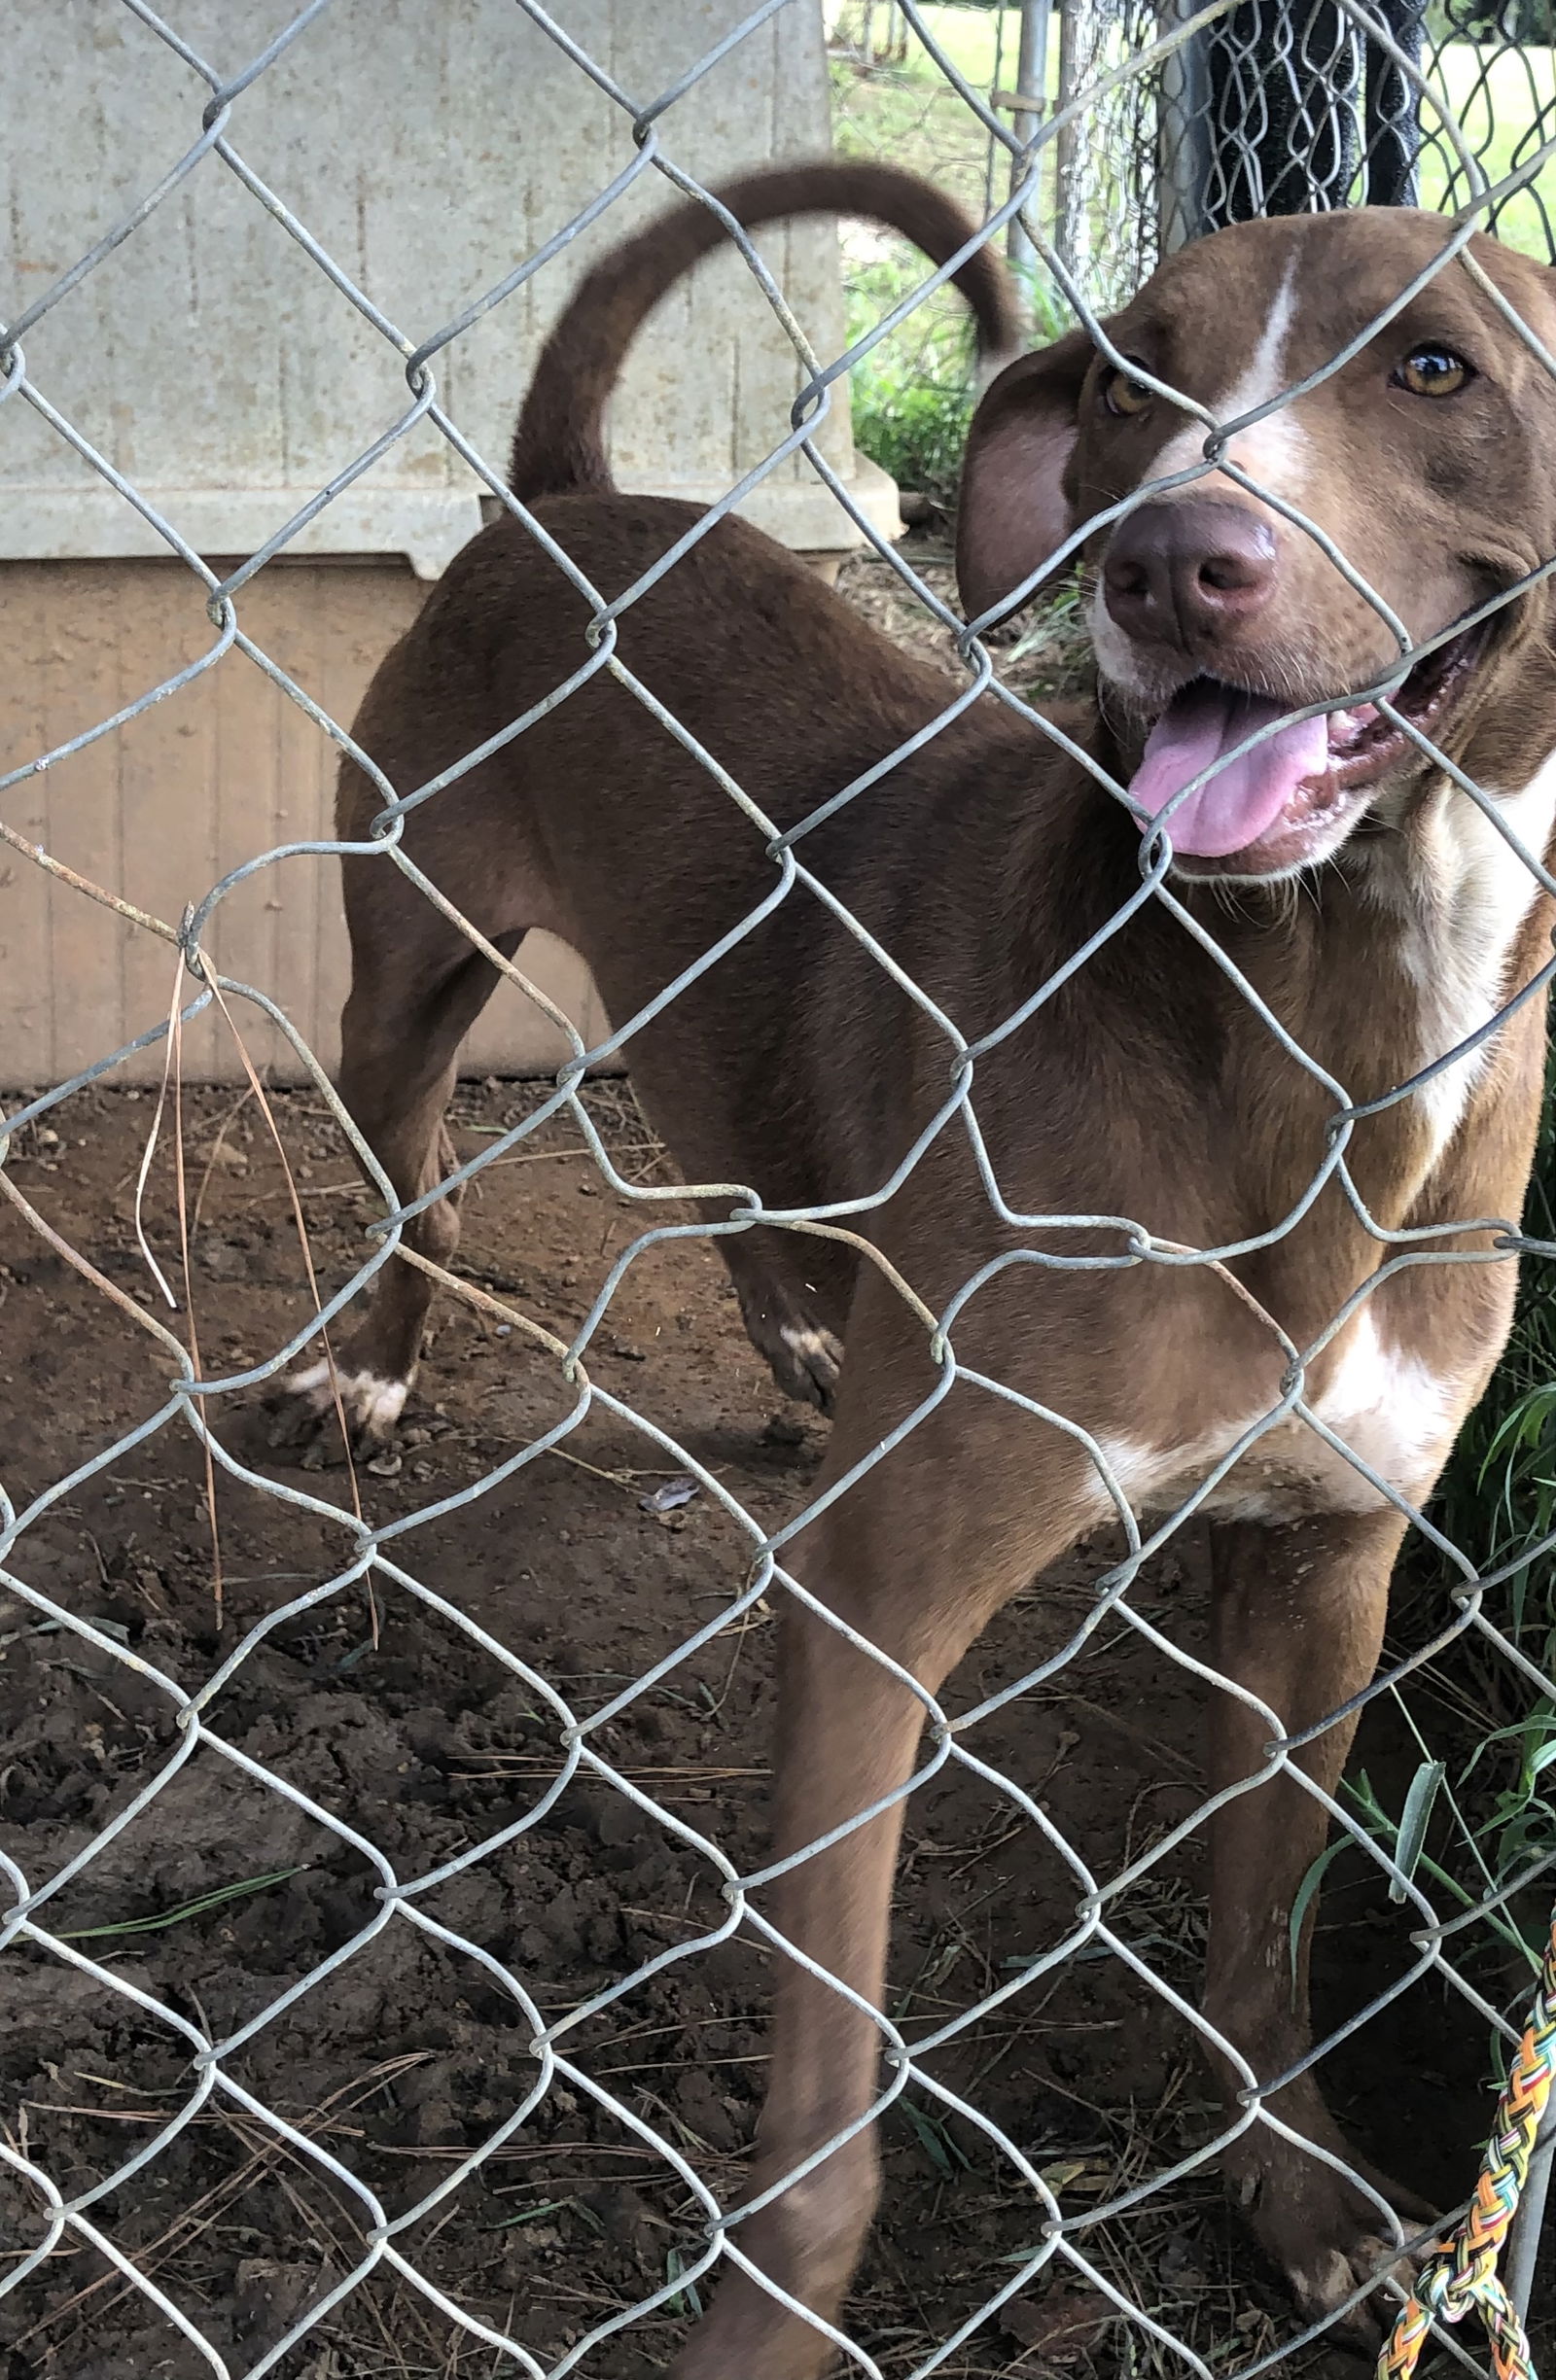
1148,1095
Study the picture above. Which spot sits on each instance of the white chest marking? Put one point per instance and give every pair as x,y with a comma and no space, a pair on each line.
1462,895
1388,1407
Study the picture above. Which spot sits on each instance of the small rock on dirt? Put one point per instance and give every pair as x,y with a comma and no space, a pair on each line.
224,1260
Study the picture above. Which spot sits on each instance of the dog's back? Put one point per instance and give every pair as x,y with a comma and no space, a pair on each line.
794,1022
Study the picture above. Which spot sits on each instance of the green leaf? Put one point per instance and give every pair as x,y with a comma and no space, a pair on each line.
934,2140
547,2206
688,2299
1413,1824
186,1908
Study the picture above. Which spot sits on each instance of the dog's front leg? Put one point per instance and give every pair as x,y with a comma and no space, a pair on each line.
1298,1615
916,1569
848,1735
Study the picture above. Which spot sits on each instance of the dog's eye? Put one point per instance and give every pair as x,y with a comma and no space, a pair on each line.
1432,371
1122,395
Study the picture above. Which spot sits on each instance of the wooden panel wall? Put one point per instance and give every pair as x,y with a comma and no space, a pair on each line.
159,810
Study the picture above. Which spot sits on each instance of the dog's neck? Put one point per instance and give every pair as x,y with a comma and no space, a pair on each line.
1377,966
1453,895
1409,948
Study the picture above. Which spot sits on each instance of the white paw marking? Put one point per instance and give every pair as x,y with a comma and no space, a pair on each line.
371,1401
1325,2286
804,1344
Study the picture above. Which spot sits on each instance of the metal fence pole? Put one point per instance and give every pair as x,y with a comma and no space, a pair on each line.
1392,110
1182,141
1282,101
1068,192
1523,2241
1031,84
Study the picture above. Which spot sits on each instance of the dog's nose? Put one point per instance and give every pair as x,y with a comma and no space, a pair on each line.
1181,573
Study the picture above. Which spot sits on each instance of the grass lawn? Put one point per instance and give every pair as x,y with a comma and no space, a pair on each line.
1505,103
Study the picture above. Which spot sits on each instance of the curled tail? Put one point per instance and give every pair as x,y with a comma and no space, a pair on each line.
560,443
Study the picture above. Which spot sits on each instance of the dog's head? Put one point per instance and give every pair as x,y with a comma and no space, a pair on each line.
1425,461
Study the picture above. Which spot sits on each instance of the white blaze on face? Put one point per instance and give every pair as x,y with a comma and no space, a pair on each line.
1273,453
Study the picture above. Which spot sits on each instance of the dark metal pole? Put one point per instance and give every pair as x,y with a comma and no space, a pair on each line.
1184,143
1284,82
1394,109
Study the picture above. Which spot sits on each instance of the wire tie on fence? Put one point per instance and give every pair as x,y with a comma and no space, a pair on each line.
194,957
1462,2273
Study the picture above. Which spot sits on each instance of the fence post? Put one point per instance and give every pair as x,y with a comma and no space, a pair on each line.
1067,194
1183,161
1276,87
1392,109
1030,83
1523,2241
1257,116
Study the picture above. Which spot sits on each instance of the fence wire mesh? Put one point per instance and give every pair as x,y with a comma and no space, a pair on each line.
294,2239
1263,109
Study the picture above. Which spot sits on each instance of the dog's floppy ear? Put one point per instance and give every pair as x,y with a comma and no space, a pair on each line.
1016,505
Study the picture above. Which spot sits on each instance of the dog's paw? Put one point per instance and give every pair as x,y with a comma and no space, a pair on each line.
1331,2240
806,1364
306,1410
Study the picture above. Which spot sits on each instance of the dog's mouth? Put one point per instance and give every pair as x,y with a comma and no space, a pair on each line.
1293,796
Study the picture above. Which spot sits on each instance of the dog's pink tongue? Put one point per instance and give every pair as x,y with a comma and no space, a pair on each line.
1246,796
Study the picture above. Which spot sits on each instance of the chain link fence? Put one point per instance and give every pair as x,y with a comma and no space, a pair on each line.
372,2103
1267,110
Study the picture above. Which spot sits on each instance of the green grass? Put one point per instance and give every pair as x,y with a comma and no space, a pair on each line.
1497,100
1496,1503
909,113
200,1906
971,38
912,396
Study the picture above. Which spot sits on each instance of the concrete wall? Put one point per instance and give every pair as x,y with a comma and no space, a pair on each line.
429,144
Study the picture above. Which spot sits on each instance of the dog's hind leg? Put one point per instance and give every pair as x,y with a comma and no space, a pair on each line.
413,998
1298,1618
781,1318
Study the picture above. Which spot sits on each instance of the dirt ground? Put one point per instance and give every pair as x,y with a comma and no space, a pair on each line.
415,1738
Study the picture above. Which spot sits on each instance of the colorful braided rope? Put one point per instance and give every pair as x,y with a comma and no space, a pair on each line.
1462,2273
